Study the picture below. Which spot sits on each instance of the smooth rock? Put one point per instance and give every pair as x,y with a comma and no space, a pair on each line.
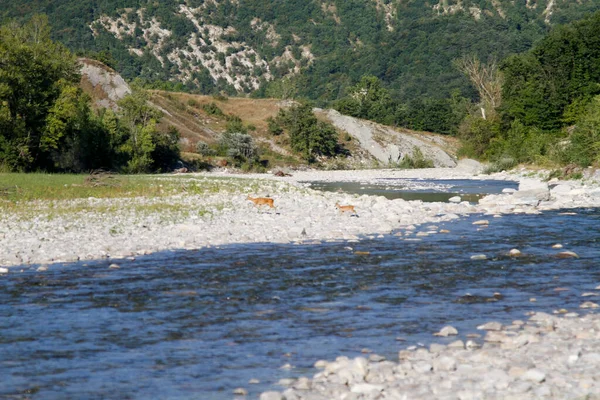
455,199
567,254
534,375
479,257
3,270
589,304
481,222
514,252
271,396
491,326
447,331
240,391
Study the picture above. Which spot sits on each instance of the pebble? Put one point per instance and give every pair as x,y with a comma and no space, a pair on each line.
479,257
481,222
114,266
3,270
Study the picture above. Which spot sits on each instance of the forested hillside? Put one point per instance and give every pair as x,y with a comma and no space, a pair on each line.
319,47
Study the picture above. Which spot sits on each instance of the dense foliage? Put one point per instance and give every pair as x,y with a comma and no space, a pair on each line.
408,46
549,104
45,119
308,136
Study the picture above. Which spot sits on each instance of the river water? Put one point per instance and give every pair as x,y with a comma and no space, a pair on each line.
197,324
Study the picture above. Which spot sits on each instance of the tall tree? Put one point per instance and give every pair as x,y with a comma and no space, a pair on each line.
38,94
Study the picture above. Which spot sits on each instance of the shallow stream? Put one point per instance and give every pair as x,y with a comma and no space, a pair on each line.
197,324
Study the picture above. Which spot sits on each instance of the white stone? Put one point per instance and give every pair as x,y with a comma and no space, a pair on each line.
447,331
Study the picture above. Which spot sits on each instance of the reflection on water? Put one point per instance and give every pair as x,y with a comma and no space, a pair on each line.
197,324
429,190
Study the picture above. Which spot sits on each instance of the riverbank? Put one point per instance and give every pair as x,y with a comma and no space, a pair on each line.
211,209
544,357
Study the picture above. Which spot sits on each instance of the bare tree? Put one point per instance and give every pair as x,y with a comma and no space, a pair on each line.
486,78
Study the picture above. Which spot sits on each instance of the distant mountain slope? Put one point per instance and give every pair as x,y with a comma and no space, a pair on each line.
238,46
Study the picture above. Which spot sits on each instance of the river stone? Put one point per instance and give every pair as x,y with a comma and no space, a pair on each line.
491,326
457,344
254,381
320,364
567,254
366,388
514,252
240,391
589,304
444,363
455,199
376,358
495,337
479,257
3,270
534,375
447,331
436,348
481,222
303,383
271,396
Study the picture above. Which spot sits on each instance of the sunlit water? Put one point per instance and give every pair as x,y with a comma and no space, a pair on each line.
197,324
427,190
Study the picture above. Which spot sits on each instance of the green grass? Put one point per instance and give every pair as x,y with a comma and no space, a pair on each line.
28,195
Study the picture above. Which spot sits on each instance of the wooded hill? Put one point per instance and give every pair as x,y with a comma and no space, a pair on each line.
325,46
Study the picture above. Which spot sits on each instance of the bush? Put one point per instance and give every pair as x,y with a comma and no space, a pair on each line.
239,147
204,149
212,109
416,160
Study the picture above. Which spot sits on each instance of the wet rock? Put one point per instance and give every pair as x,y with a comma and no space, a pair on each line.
567,254
479,257
557,246
376,358
514,253
436,348
303,383
254,381
271,396
240,392
447,331
481,222
491,326
3,270
589,304
114,266
455,199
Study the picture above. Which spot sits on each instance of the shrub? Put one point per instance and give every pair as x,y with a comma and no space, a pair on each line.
212,109
416,160
204,149
239,147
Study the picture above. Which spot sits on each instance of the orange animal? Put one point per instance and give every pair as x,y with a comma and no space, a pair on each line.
259,201
345,208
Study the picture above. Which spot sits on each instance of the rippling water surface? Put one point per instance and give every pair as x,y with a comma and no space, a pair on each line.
197,324
427,190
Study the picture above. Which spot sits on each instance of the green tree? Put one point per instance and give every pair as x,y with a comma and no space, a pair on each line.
308,136
139,119
39,98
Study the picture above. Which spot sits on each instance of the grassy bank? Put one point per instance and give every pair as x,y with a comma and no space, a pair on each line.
27,194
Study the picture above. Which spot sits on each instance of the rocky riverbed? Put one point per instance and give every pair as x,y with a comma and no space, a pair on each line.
544,357
93,228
